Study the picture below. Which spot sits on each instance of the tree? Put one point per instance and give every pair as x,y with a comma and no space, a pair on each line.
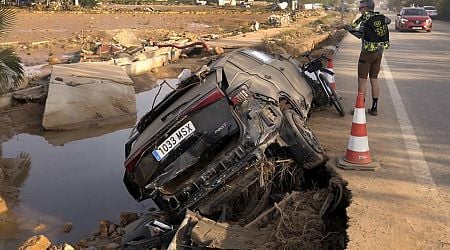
443,8
11,71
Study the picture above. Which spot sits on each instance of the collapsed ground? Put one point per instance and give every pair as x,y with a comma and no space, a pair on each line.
59,38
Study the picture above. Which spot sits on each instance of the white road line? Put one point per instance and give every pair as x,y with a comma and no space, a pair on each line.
419,166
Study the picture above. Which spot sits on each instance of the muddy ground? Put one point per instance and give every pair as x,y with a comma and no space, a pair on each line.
54,35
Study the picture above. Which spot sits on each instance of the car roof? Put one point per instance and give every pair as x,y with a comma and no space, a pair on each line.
411,8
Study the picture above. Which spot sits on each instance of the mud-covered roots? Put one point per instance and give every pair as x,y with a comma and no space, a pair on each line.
299,225
305,209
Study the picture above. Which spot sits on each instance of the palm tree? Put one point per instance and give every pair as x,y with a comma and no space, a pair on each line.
11,71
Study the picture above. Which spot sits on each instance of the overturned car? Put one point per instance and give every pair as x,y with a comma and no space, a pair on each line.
205,134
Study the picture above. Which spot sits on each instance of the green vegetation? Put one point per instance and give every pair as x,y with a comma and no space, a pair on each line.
88,3
11,71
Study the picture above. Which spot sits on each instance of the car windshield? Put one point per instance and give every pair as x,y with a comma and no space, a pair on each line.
429,8
415,12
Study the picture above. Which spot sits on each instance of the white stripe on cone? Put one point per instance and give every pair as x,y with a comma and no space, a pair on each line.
358,143
359,116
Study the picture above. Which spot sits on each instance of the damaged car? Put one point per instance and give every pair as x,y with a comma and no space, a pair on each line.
206,133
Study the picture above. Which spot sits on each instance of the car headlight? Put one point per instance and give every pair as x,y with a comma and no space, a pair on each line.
403,20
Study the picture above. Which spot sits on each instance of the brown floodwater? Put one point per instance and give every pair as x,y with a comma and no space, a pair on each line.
75,177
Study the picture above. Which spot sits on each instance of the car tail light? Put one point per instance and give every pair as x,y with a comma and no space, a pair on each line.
212,97
239,98
132,161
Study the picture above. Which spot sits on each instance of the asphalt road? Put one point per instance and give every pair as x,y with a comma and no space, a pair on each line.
420,66
405,204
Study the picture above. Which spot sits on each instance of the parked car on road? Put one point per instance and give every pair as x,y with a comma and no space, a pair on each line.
207,131
413,18
431,10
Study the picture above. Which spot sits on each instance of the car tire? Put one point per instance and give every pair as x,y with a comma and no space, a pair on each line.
302,143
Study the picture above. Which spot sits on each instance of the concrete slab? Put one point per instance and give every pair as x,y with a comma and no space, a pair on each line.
88,95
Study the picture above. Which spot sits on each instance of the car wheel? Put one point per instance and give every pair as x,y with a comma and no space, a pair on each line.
302,143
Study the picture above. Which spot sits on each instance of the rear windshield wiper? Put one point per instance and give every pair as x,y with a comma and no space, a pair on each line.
177,108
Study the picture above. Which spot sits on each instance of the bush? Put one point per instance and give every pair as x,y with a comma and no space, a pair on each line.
88,3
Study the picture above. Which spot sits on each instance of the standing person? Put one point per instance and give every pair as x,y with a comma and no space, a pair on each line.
371,27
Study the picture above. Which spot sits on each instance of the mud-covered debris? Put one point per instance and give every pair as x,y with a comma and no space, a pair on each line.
112,228
106,51
205,233
40,227
218,50
279,20
127,217
35,94
254,26
104,228
3,206
112,246
39,242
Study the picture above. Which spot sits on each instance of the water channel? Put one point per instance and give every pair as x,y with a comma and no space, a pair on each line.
75,177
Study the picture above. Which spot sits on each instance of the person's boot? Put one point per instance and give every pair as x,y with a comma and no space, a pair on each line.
372,112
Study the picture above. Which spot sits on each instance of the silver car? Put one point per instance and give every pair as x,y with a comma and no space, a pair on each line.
431,11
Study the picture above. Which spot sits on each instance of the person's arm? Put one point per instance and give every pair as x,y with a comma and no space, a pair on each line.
356,28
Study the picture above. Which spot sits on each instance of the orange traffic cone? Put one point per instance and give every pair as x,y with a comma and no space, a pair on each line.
358,155
331,80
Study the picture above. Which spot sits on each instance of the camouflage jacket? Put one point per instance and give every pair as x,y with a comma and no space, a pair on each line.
357,29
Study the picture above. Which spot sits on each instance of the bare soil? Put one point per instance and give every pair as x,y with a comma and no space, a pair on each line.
59,33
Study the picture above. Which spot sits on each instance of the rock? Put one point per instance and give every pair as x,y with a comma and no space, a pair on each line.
39,228
218,50
3,207
53,60
154,71
104,228
67,227
82,243
127,217
39,242
86,95
68,247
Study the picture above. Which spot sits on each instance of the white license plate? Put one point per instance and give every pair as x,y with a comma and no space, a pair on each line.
174,140
416,28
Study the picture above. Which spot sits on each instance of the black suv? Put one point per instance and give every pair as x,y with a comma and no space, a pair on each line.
209,130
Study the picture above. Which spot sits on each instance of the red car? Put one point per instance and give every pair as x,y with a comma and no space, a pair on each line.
413,18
